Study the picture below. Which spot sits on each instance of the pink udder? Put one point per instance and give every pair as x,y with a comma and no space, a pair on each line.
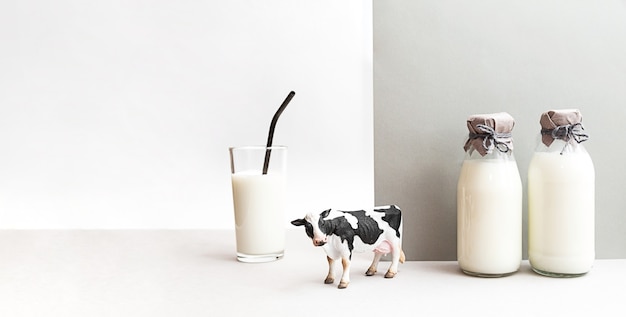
384,247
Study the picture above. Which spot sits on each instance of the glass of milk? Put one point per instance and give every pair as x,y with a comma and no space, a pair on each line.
489,200
561,198
259,202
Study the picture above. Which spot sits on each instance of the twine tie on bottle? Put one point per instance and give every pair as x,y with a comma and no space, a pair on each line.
566,133
491,138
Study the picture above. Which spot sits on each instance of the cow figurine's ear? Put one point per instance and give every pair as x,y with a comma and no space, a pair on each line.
325,213
298,222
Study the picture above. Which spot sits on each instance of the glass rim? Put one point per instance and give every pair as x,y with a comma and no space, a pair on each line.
257,147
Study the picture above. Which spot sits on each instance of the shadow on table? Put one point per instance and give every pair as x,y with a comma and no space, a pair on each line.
451,268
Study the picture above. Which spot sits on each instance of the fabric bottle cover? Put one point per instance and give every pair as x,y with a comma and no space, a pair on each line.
564,125
490,131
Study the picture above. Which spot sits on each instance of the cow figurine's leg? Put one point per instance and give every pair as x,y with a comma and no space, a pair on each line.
345,277
330,278
397,256
374,266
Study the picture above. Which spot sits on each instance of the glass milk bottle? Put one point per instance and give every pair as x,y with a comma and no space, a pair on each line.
489,199
561,198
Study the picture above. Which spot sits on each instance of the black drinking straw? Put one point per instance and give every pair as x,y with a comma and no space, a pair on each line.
270,136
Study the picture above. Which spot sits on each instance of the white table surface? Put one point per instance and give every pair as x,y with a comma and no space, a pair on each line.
194,273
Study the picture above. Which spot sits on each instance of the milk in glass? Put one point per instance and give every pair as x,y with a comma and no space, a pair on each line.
259,212
259,197
489,200
561,198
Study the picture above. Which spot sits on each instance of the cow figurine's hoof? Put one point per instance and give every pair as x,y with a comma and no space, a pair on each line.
378,230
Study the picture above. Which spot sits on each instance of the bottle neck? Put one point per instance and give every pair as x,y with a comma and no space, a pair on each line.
561,147
473,154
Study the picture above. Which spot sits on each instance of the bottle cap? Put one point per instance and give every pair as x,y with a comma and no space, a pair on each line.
564,125
490,131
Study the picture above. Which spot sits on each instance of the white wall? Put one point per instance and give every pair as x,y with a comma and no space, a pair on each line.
118,114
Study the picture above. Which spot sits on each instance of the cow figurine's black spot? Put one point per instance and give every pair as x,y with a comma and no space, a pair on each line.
341,233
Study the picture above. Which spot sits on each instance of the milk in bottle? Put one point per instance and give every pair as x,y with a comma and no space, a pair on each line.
489,200
561,198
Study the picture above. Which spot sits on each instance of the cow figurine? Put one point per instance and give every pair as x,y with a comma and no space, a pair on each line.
340,233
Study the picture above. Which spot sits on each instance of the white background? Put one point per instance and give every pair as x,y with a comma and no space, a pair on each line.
119,114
